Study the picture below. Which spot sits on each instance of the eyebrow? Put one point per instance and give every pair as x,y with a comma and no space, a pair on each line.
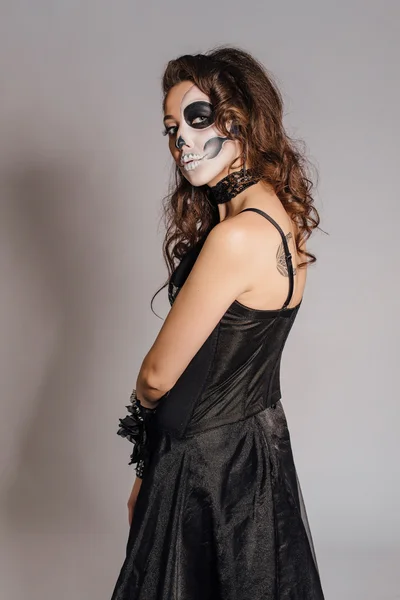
168,117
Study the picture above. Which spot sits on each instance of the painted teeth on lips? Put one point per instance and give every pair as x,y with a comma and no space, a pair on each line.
189,157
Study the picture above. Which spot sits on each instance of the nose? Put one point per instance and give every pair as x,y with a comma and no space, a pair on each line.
183,137
180,142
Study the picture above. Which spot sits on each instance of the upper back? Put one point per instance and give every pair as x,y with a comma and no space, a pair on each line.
274,264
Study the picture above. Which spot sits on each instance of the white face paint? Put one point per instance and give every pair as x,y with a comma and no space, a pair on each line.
202,152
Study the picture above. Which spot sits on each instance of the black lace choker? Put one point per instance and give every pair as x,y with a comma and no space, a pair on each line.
231,185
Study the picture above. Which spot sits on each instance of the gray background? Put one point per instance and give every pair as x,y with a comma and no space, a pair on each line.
83,169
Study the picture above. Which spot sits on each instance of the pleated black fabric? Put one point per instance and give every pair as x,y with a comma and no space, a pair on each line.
220,513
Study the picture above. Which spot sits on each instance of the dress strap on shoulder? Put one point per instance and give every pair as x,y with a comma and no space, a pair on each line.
288,256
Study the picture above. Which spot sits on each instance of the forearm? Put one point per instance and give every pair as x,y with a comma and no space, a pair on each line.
135,425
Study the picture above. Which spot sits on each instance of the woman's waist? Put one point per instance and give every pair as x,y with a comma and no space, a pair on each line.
219,413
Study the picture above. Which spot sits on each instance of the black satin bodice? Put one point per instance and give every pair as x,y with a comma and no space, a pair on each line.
236,372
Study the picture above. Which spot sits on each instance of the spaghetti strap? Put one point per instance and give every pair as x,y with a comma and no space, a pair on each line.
288,255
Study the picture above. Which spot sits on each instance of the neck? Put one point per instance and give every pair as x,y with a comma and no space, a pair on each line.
231,185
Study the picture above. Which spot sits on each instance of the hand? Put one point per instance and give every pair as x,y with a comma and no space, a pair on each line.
132,498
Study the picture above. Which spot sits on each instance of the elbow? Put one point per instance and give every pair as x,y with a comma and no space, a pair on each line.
154,380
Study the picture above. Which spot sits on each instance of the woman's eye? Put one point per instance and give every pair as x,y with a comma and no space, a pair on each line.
196,120
169,131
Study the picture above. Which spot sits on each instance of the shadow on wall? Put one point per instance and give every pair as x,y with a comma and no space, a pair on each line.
46,489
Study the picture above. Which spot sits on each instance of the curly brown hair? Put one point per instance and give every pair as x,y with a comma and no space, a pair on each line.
241,90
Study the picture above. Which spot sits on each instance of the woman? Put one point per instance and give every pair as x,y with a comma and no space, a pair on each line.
216,511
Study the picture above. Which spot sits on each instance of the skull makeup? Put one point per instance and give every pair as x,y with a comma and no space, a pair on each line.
199,148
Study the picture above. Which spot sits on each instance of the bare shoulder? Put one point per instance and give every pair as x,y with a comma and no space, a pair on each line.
229,240
259,232
250,237
262,228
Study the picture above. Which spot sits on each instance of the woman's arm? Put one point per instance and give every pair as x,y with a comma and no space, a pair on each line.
220,274
148,396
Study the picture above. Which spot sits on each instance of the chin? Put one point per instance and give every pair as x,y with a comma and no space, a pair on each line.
199,176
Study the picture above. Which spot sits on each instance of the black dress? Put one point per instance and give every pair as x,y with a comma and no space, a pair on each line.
220,514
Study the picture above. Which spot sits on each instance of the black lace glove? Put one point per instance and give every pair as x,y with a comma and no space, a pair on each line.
134,427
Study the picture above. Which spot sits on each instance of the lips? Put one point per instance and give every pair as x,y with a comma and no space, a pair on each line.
189,158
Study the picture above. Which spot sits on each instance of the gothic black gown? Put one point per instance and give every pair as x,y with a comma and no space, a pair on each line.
220,513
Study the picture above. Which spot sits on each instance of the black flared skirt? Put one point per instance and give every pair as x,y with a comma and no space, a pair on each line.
220,516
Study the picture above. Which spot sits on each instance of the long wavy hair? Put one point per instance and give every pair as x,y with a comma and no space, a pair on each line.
241,90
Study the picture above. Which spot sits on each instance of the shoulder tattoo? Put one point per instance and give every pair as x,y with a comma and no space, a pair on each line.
281,260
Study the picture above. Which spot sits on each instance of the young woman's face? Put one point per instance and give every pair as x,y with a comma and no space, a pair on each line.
200,150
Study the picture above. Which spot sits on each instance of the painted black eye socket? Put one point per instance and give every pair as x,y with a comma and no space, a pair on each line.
199,115
199,120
